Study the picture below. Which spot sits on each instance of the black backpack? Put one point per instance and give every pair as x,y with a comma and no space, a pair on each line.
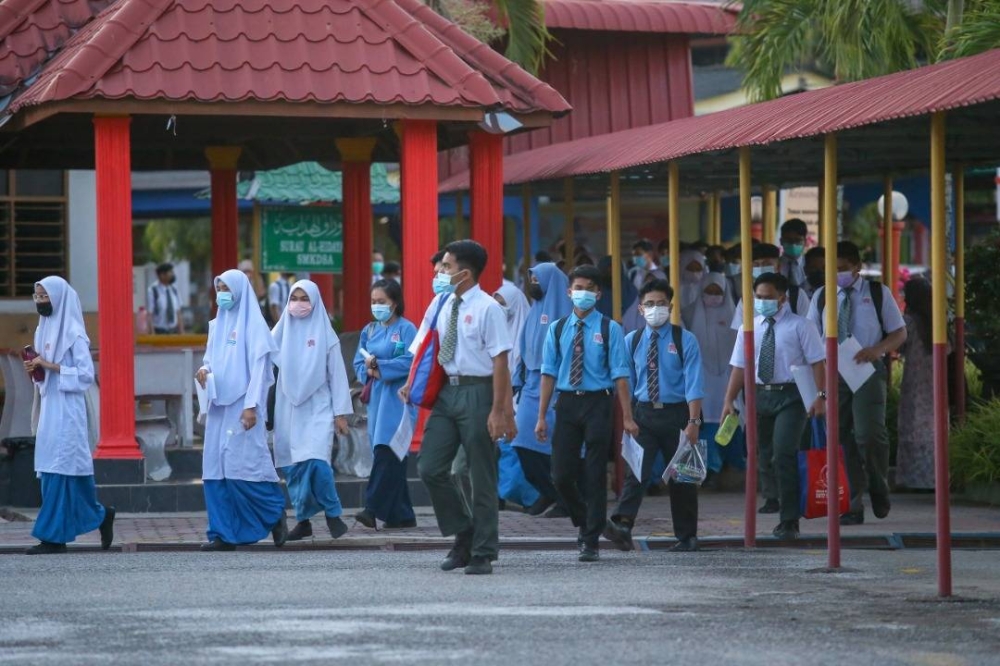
605,335
675,331
876,290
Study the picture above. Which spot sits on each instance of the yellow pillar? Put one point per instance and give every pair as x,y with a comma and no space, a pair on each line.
887,233
674,234
821,196
569,240
770,214
717,218
833,450
614,245
749,376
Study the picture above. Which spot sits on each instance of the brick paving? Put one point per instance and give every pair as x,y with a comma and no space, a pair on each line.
721,515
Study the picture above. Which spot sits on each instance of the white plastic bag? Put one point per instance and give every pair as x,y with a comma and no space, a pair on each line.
688,464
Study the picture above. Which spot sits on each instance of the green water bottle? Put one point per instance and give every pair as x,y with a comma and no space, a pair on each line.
727,430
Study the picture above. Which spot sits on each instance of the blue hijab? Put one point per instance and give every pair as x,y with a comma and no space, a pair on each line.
554,305
629,292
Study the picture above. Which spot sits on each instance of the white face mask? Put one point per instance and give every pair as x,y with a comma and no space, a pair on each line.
657,316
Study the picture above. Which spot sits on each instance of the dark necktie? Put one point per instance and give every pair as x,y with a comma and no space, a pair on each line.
576,364
450,343
653,367
845,316
767,351
169,292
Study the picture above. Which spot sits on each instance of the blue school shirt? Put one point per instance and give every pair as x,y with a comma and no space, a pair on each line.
598,373
677,383
390,345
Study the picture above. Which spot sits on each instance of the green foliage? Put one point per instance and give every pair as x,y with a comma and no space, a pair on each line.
474,17
863,229
974,450
177,238
982,291
978,31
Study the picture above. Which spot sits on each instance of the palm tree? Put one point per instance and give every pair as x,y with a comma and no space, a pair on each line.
855,39
523,24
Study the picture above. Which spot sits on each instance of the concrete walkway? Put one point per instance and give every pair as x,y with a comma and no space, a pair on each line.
910,524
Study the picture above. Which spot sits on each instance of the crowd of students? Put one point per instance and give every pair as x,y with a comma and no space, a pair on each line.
533,378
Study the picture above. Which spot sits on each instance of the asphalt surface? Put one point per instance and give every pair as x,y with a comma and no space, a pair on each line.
726,607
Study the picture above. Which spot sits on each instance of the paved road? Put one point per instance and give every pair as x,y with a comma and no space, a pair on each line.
726,607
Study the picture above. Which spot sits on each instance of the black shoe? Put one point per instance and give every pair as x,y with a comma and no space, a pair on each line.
401,525
689,545
280,532
46,548
217,545
620,535
557,512
502,504
539,507
787,530
588,553
108,527
478,566
337,527
459,555
302,529
770,506
366,518
579,537
853,518
881,505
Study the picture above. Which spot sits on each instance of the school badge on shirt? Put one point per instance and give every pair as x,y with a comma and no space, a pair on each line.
544,320
394,337
468,320
598,339
311,342
671,348
232,339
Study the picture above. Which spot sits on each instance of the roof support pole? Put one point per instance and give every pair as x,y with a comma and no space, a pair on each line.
887,233
222,161
715,231
939,287
959,180
112,157
569,238
419,205
828,206
674,235
615,244
486,199
749,353
820,226
356,158
526,230
770,214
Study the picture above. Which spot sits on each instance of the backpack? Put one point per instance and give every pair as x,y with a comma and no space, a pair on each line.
605,335
675,331
876,290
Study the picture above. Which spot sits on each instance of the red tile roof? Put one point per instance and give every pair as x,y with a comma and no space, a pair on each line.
354,51
659,16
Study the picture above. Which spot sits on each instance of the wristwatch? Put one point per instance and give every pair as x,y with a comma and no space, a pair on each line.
821,394
696,422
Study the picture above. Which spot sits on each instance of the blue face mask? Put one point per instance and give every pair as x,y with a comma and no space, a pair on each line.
761,270
442,284
765,307
640,261
381,312
583,299
794,250
224,299
732,270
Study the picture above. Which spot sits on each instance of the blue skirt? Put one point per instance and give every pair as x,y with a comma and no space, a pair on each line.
733,454
242,512
69,508
512,486
311,489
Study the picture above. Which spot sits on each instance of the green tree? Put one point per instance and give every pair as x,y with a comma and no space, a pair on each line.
177,238
521,21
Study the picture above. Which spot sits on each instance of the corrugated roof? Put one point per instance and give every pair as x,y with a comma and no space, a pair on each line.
949,85
310,182
354,51
660,16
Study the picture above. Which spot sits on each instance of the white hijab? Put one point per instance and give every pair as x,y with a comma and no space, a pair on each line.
691,288
517,314
711,325
237,339
60,330
304,345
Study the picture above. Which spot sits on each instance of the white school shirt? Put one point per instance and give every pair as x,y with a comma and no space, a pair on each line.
156,304
482,332
796,342
864,327
802,304
277,293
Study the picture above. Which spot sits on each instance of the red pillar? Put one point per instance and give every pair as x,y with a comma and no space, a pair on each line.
325,283
114,288
486,200
222,161
356,156
418,164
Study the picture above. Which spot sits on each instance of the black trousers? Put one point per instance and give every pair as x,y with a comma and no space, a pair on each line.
388,493
659,430
583,419
537,468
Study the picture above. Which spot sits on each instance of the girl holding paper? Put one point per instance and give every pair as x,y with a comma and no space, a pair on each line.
242,494
313,396
384,358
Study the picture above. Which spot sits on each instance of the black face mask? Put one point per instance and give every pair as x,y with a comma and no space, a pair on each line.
535,291
173,278
816,278
44,309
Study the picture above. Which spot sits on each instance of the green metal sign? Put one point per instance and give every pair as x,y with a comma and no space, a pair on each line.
298,239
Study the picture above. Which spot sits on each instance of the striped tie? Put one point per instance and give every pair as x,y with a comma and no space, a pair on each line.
767,349
447,351
576,364
845,316
653,368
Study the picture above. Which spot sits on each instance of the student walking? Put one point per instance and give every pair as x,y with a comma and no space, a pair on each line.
163,303
312,398
242,495
63,460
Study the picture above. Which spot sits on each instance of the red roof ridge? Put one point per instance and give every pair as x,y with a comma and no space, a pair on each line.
14,12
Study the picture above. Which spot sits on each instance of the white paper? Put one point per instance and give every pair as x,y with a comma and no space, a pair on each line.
805,380
400,442
364,353
632,454
854,374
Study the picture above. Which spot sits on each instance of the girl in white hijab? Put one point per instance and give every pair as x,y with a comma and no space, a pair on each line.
242,494
693,269
312,396
62,449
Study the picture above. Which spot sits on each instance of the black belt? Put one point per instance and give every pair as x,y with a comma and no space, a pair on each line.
460,380
166,331
661,405
583,393
775,387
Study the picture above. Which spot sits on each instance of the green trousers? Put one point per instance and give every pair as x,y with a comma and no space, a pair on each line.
781,420
864,437
458,421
